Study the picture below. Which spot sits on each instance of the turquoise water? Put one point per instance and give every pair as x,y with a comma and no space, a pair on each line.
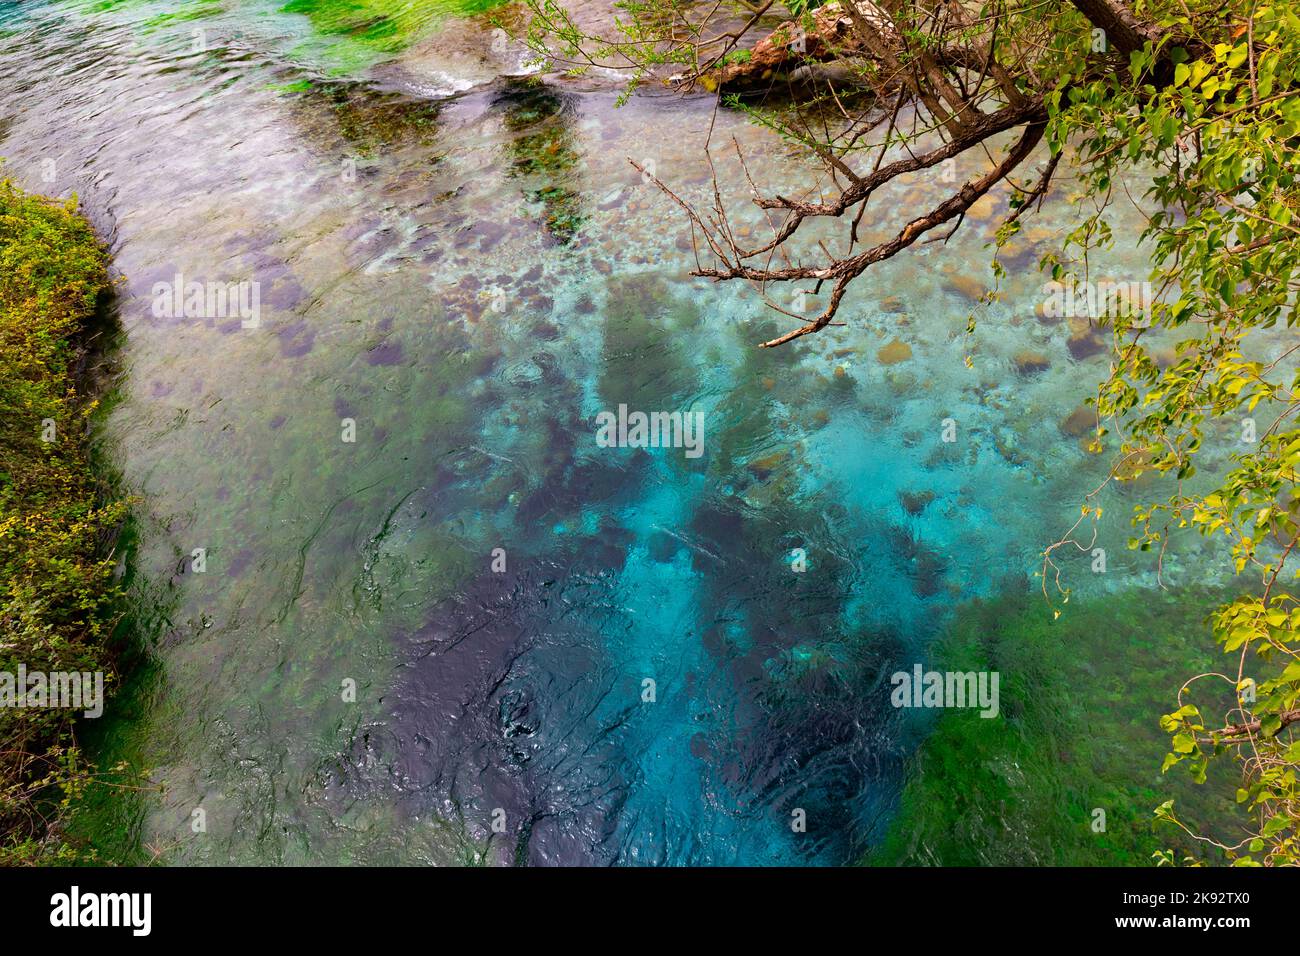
459,260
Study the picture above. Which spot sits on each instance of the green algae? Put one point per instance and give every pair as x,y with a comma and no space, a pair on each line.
745,412
104,6
1078,733
409,563
194,10
340,36
542,147
381,24
371,121
297,86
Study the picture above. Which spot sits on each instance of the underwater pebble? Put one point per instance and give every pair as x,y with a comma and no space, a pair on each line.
895,352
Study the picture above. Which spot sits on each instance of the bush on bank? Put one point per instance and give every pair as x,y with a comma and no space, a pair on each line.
56,586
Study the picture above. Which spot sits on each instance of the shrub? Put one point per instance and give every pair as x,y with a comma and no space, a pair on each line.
57,595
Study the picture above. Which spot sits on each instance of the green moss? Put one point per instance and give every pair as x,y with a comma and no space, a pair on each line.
543,147
381,24
1079,731
563,211
372,121
56,591
298,86
195,10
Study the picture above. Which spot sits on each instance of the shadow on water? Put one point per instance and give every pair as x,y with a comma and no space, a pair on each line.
111,816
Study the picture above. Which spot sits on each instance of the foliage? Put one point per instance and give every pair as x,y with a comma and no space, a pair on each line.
799,7
637,47
1221,138
56,590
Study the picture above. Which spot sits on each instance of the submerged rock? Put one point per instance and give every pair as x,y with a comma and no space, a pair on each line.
762,468
1136,471
1045,315
1084,345
895,352
964,285
914,502
900,382
1165,356
1079,422
1029,362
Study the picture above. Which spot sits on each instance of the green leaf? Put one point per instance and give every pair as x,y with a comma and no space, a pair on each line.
1275,825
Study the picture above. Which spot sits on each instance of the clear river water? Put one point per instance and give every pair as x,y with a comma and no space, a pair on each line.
458,265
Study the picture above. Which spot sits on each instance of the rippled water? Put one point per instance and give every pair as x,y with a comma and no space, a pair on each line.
461,260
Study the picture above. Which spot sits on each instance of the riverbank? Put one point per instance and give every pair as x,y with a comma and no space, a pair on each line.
57,594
